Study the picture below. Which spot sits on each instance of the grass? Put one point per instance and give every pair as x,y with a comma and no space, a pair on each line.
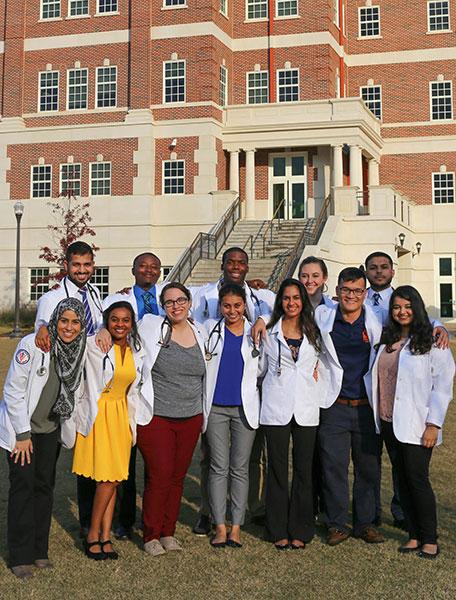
353,570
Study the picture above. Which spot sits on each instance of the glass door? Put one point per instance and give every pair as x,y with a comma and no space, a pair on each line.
288,186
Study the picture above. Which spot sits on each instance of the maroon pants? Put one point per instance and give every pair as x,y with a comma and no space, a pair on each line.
167,447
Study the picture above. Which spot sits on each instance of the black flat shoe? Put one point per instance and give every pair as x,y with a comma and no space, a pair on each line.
94,555
281,546
408,550
113,555
428,555
233,544
298,546
218,544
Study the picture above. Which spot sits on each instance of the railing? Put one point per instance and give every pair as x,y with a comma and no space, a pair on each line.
288,261
268,227
362,197
206,245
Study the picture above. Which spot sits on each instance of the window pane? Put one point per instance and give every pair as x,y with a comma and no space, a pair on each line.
77,88
106,86
79,7
297,165
446,300
174,81
443,188
439,16
100,279
100,176
286,8
106,6
445,267
174,177
441,100
278,167
41,181
371,95
369,21
50,9
39,284
258,87
49,90
70,179
257,9
288,85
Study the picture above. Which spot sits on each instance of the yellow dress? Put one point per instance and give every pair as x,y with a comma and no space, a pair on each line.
104,454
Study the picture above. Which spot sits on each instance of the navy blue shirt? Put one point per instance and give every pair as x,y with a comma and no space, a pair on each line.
231,369
353,350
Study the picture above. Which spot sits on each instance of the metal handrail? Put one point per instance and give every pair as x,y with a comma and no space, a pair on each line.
269,225
206,245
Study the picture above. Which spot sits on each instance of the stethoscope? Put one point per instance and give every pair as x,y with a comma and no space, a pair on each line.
255,300
92,293
165,338
42,370
217,330
107,384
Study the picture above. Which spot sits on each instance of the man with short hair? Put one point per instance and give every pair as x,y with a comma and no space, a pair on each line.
379,273
350,332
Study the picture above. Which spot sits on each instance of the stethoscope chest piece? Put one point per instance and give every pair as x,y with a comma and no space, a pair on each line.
208,356
255,353
41,371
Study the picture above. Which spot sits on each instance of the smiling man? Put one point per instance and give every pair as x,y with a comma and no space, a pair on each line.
380,273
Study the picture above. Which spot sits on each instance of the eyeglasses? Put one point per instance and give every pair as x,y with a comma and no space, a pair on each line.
345,291
179,301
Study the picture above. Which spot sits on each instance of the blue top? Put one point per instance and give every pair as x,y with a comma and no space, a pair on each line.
146,305
231,369
353,351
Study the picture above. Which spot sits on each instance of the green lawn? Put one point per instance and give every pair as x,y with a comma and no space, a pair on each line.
352,570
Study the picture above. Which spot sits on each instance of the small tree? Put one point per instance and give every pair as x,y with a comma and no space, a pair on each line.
72,221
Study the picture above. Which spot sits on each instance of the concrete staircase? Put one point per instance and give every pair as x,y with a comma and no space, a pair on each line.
284,239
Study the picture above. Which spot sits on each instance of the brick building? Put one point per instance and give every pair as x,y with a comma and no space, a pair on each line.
162,111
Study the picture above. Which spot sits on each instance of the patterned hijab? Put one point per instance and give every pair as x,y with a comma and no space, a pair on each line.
68,357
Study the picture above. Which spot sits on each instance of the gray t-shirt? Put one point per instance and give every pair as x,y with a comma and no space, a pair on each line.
177,377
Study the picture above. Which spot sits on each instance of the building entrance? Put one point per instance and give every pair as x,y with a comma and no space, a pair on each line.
288,185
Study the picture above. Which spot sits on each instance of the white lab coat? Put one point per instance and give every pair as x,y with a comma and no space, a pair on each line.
49,300
22,391
131,298
424,389
206,302
294,392
98,372
249,391
150,330
324,317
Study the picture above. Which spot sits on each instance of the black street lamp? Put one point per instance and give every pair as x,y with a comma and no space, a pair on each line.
18,211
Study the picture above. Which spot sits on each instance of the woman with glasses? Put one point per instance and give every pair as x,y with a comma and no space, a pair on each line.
171,419
105,421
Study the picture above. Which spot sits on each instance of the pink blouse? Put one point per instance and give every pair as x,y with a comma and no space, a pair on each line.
387,376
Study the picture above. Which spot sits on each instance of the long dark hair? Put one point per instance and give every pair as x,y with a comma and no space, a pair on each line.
134,335
306,317
420,333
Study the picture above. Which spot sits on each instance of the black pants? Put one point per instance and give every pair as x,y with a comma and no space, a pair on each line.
417,497
290,516
395,505
30,500
125,513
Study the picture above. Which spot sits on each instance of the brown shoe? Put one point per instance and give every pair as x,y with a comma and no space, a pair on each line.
336,536
371,535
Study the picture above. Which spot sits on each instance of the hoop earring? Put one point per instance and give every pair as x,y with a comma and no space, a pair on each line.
324,288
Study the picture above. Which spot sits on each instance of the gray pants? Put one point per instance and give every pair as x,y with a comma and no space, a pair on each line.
229,458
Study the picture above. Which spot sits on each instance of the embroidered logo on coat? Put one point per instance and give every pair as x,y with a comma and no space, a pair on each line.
22,357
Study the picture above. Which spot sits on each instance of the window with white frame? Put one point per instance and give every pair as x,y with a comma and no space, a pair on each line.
223,83
175,3
39,282
224,7
70,178
107,6
41,181
100,279
286,8
50,9
441,100
372,96
78,8
106,86
257,9
369,21
174,177
165,271
446,286
257,87
443,188
49,91
438,16
336,12
77,94
288,85
100,179
174,81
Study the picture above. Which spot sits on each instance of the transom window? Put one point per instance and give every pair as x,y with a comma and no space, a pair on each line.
100,179
39,283
70,178
77,88
106,86
257,9
49,91
41,181
78,8
369,21
443,188
439,16
173,176
100,279
372,96
288,85
287,8
175,2
106,6
174,81
50,9
257,87
223,86
441,100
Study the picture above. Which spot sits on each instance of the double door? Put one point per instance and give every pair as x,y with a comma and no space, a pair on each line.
288,185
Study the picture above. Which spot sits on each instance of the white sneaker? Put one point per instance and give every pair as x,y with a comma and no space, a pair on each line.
154,548
170,543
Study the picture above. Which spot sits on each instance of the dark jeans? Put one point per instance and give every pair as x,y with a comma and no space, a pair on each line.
417,497
346,430
395,505
30,500
290,516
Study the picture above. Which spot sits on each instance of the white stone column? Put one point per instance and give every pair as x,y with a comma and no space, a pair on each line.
356,171
338,172
250,184
374,174
234,171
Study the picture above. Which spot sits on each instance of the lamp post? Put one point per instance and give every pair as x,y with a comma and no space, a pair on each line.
18,211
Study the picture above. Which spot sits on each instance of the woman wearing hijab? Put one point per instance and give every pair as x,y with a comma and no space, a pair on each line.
38,401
